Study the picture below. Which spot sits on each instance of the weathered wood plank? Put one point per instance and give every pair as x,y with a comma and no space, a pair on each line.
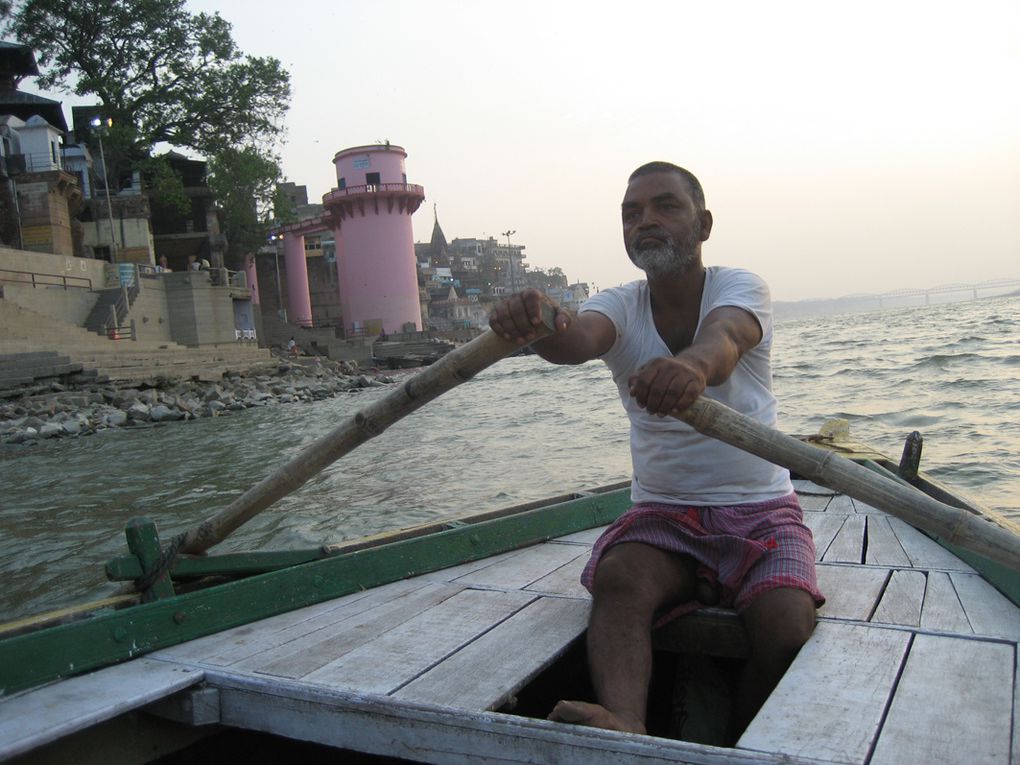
810,487
866,509
902,599
488,671
813,502
455,572
884,549
925,552
953,704
942,609
841,503
309,652
31,719
586,537
566,580
848,545
851,592
520,571
422,732
830,703
824,528
1016,718
233,645
988,610
403,653
710,631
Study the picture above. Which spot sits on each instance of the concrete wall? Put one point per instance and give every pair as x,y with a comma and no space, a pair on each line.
134,239
150,311
70,305
200,314
26,262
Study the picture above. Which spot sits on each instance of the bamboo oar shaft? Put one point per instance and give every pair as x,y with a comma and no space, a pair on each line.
829,469
456,367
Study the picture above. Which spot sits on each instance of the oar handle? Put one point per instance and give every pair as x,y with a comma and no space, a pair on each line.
456,367
827,468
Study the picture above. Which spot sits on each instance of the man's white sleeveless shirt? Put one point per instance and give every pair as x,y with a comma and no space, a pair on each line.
672,462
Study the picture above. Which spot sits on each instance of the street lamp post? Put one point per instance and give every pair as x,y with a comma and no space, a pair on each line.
510,257
281,312
100,124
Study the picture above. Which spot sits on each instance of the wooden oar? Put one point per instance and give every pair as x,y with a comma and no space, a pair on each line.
953,525
459,365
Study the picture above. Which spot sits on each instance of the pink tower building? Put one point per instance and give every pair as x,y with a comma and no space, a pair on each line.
376,269
370,215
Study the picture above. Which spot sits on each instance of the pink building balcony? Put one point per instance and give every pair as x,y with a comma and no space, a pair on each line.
406,197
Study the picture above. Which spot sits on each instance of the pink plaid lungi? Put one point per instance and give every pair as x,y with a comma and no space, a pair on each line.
742,550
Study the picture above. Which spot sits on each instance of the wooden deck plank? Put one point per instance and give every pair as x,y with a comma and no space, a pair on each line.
884,549
421,732
951,704
901,602
925,552
813,502
520,571
942,609
848,545
988,610
486,672
42,715
400,655
866,509
824,528
830,703
454,572
841,503
851,592
810,487
1016,718
586,537
565,581
309,652
233,645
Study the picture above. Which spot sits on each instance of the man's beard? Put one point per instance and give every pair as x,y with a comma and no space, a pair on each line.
669,259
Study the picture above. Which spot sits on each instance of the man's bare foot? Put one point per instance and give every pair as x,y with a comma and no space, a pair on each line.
595,716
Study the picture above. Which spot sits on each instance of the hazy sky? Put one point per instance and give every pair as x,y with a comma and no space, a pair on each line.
843,147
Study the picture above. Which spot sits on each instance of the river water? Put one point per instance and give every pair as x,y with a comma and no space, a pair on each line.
522,430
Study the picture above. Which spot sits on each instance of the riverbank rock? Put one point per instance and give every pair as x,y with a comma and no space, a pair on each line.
81,409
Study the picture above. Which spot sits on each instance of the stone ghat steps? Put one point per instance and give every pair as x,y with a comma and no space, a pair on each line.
26,368
87,356
390,348
32,331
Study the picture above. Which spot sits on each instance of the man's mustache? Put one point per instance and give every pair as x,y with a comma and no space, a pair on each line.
657,236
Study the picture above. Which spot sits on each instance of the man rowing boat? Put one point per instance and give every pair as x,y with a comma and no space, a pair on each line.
710,523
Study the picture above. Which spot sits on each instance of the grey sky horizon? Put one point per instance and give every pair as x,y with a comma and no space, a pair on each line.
843,149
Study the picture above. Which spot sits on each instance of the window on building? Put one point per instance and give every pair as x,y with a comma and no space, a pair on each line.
342,183
372,179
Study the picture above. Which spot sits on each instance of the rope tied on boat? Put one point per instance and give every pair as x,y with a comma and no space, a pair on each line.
167,557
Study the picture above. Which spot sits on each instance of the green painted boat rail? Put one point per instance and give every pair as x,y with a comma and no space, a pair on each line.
49,654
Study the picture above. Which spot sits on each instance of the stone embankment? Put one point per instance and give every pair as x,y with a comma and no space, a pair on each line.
58,409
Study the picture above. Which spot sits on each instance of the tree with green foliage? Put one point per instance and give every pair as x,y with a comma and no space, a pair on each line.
164,76
169,75
246,185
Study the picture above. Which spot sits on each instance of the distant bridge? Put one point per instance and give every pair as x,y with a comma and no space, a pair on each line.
997,285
